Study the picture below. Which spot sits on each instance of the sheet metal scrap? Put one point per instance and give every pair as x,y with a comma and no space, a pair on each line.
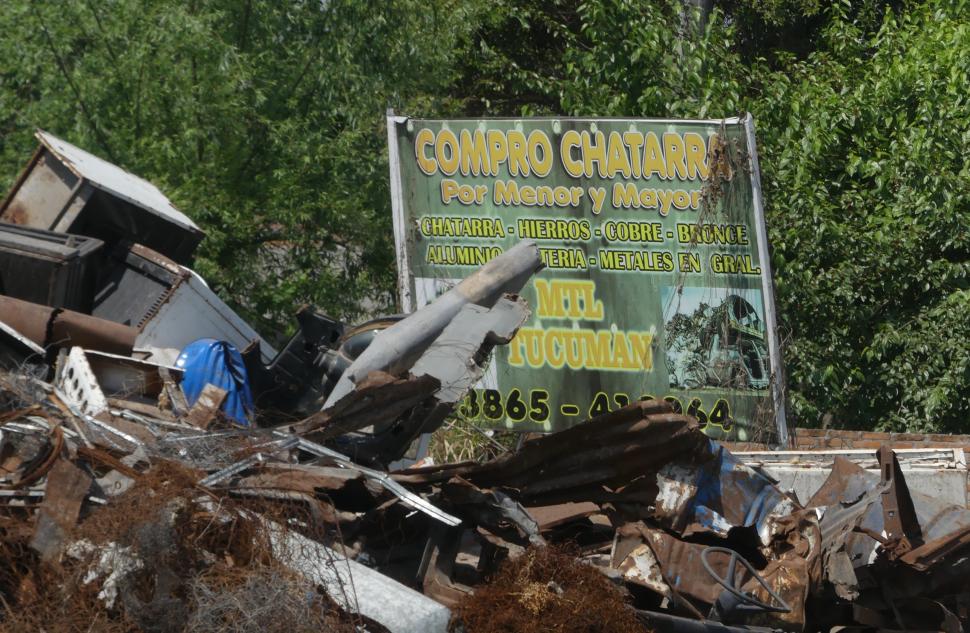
399,409
595,461
864,558
645,460
680,570
492,509
715,492
377,398
275,450
67,487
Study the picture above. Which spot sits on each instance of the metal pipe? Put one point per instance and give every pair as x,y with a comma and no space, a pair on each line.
395,349
48,326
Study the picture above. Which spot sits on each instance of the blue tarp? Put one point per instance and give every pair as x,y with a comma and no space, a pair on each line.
209,361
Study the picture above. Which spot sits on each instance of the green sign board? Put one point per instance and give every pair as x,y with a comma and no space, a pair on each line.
657,281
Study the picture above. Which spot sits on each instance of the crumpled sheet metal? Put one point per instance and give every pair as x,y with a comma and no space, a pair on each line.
571,449
455,361
644,458
715,492
377,398
493,510
854,542
596,460
673,568
852,491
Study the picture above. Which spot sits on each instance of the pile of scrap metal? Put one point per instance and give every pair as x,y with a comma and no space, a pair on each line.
699,540
94,283
163,512
97,314
705,542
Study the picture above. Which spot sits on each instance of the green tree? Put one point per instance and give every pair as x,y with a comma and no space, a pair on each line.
263,120
866,184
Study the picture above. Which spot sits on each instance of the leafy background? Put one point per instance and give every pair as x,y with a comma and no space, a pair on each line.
263,120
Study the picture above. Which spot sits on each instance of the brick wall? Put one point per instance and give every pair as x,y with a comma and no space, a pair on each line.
838,439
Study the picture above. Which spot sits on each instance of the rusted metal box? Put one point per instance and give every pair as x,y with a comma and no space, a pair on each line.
66,189
54,269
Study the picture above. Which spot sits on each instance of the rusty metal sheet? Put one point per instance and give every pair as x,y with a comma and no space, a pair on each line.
681,564
644,455
659,561
635,560
46,191
932,552
67,486
861,544
493,510
126,377
437,568
715,492
851,497
378,398
610,450
552,516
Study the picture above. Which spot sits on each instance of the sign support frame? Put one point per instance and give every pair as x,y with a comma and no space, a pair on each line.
397,215
768,287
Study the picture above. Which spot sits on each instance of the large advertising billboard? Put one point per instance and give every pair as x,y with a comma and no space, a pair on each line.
657,279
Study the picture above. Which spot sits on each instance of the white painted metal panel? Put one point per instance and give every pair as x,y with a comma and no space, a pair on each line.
193,312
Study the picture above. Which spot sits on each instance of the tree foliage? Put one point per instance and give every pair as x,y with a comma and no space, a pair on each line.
263,120
869,210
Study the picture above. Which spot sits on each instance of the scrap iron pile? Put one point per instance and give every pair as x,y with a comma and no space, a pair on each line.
165,468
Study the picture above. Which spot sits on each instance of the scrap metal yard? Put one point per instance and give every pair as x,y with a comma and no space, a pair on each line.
163,467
